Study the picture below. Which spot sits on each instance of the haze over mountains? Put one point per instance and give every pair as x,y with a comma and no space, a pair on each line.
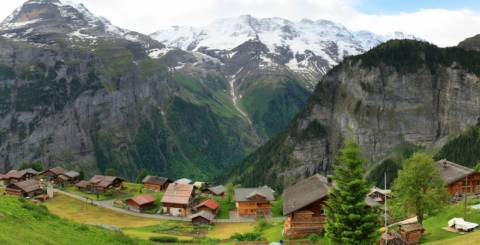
81,92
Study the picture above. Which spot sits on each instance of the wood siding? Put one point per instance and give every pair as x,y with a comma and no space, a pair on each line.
308,220
253,208
463,186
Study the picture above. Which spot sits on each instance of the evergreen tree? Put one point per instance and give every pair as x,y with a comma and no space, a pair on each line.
143,173
419,188
349,219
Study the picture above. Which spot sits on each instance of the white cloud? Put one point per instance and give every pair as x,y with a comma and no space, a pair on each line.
440,26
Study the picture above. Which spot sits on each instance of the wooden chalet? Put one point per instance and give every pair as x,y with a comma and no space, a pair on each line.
218,190
17,176
141,203
155,183
83,185
101,183
253,201
177,199
459,179
70,177
27,188
303,206
379,195
52,174
209,205
202,218
411,233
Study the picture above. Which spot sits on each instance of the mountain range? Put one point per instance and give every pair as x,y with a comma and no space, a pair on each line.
77,91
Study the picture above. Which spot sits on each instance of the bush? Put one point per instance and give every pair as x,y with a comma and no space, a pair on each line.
249,236
314,238
165,239
262,225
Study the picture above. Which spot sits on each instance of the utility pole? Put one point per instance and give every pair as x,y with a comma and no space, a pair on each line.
465,199
385,205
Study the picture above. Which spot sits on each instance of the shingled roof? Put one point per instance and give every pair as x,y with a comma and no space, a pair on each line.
57,170
452,172
244,194
143,199
103,181
206,215
155,180
217,190
28,185
304,193
178,194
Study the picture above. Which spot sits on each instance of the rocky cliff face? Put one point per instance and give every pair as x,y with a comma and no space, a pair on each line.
400,92
79,92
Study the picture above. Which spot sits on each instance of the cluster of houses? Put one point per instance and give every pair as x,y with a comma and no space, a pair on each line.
31,183
303,202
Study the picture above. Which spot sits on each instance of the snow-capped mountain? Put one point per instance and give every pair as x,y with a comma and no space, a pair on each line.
48,21
307,46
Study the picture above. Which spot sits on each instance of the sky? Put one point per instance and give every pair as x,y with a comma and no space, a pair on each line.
442,22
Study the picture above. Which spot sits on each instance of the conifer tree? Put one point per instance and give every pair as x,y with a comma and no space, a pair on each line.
349,219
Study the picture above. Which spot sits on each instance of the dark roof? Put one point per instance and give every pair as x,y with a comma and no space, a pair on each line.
217,190
211,204
178,194
31,171
71,174
104,181
155,180
452,172
143,199
57,170
82,184
14,174
304,193
28,185
244,194
206,215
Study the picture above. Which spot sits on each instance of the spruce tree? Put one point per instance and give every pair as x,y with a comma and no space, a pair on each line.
349,219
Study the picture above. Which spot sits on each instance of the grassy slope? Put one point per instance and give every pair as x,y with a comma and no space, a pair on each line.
37,226
434,224
467,239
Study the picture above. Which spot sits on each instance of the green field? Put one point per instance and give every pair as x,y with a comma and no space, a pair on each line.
22,222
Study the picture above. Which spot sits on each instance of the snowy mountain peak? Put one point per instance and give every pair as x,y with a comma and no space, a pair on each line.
47,21
306,47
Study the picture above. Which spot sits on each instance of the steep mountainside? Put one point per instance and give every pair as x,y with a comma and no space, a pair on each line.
401,92
79,92
272,64
472,43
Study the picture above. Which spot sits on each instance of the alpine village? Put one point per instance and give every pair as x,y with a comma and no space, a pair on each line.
243,131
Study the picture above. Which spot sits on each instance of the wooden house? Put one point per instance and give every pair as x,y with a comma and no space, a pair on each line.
253,201
101,183
202,218
218,190
155,183
83,185
177,199
411,233
141,203
27,188
208,206
70,177
17,176
459,179
304,205
379,195
52,174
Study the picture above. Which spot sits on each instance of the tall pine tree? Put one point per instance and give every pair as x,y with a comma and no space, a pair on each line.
349,219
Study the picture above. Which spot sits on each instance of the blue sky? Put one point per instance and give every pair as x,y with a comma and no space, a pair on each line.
398,6
442,22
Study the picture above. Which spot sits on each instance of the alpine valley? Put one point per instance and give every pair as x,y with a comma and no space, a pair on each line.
77,91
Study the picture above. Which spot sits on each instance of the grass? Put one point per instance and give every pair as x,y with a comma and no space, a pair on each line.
433,225
226,230
36,225
81,212
467,239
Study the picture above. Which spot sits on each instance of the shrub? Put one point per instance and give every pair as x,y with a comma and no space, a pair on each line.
249,236
165,239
